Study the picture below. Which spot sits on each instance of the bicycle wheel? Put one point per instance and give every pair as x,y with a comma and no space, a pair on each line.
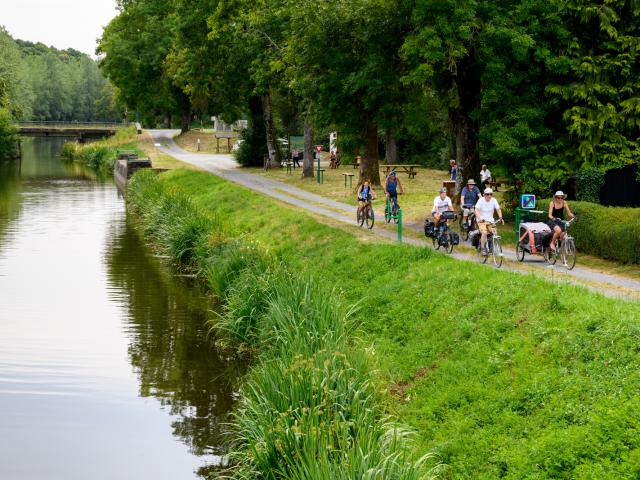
360,217
387,213
449,247
369,217
552,256
569,254
436,240
394,212
496,252
519,252
484,258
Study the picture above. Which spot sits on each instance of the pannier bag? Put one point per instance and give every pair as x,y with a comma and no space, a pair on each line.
449,215
428,228
455,238
534,236
474,238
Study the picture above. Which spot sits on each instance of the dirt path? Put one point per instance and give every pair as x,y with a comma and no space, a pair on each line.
225,166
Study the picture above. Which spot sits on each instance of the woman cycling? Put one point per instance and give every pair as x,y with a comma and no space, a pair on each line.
556,217
365,193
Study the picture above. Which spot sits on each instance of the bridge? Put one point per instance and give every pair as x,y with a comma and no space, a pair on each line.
80,130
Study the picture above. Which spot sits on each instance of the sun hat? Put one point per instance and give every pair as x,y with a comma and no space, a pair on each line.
560,193
488,190
471,181
443,190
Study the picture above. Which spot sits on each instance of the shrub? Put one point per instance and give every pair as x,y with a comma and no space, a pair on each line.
588,185
609,232
8,136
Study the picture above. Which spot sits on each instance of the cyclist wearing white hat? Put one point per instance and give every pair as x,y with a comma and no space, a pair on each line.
485,208
441,204
556,216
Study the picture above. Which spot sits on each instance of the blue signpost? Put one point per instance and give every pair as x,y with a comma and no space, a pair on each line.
526,208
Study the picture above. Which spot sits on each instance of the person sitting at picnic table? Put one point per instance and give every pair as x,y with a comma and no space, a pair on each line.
392,185
485,176
468,198
441,204
333,160
453,170
365,193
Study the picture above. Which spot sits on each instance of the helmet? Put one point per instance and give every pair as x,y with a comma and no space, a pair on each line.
443,190
392,173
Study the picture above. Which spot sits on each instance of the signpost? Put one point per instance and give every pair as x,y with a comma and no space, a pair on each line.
525,210
318,150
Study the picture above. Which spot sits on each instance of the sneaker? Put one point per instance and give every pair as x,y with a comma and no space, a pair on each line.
484,252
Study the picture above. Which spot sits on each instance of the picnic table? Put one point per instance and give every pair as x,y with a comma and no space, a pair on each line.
350,177
408,168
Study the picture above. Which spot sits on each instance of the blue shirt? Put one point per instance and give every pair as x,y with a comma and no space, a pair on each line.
391,186
470,196
454,172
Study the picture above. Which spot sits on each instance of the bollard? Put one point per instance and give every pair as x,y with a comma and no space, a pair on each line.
318,174
400,225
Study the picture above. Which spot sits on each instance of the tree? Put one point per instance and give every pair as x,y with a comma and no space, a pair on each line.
8,135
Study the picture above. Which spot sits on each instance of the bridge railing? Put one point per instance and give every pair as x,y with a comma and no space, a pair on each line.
54,124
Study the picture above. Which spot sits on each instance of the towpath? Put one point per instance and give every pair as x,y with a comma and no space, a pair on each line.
225,166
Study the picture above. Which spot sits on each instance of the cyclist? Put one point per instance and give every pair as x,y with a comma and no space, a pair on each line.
391,187
556,217
485,208
469,196
441,204
365,193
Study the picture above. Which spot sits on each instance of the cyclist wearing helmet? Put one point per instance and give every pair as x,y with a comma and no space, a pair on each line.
485,208
556,215
392,185
441,204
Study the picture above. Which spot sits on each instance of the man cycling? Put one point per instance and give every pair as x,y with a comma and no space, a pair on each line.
469,196
391,186
485,208
441,204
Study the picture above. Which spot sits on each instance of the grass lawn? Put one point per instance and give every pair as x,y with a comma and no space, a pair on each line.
502,375
189,141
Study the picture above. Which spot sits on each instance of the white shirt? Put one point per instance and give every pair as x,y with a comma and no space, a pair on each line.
486,209
440,205
484,175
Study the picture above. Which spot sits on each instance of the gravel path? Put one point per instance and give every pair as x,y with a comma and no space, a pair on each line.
225,166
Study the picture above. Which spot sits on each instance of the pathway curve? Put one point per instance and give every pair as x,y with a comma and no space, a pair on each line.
226,167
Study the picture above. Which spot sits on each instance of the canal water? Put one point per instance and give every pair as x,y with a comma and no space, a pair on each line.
105,372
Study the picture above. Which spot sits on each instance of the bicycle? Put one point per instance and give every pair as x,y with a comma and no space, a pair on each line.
565,248
494,246
444,236
470,225
391,210
366,215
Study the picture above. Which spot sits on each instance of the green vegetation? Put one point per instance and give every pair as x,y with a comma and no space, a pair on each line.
42,83
101,155
308,409
8,136
502,375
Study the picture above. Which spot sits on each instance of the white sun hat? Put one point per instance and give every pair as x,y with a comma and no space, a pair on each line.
488,190
560,193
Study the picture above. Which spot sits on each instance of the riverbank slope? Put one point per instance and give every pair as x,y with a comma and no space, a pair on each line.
501,374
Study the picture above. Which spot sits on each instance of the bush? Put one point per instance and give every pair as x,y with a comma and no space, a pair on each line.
253,146
8,136
612,233
588,185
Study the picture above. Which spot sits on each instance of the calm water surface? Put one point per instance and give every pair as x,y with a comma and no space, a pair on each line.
104,373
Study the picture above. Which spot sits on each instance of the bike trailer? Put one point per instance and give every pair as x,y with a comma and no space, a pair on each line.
534,236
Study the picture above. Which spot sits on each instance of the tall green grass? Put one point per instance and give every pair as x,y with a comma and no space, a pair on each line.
308,409
100,155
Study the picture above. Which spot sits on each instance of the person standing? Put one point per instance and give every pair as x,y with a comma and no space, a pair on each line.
485,208
485,176
453,169
295,157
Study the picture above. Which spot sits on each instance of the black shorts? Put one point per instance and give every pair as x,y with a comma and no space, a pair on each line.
557,223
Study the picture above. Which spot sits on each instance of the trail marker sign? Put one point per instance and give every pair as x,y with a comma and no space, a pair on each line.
318,148
528,201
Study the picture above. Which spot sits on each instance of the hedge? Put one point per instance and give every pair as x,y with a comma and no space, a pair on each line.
607,232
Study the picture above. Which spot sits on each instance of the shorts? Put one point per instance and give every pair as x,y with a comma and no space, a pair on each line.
393,195
466,210
486,228
557,223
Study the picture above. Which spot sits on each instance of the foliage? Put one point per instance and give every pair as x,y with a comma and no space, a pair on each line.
8,135
100,155
588,184
527,379
607,232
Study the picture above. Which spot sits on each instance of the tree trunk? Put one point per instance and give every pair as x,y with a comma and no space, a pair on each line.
166,120
307,161
274,156
185,113
369,167
391,150
465,129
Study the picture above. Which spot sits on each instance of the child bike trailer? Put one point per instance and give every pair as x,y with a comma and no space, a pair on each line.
533,238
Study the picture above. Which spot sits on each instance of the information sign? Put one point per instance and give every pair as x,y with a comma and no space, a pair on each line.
528,201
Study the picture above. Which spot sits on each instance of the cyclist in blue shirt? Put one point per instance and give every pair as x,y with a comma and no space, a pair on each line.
365,193
391,186
469,196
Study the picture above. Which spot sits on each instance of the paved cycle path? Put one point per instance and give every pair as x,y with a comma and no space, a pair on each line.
226,167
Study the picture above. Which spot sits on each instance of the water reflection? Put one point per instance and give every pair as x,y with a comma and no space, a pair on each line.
167,342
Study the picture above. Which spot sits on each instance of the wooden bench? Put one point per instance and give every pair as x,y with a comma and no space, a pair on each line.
322,175
288,165
350,175
407,168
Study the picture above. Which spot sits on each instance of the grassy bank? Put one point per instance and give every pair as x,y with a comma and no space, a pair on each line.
502,375
101,155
